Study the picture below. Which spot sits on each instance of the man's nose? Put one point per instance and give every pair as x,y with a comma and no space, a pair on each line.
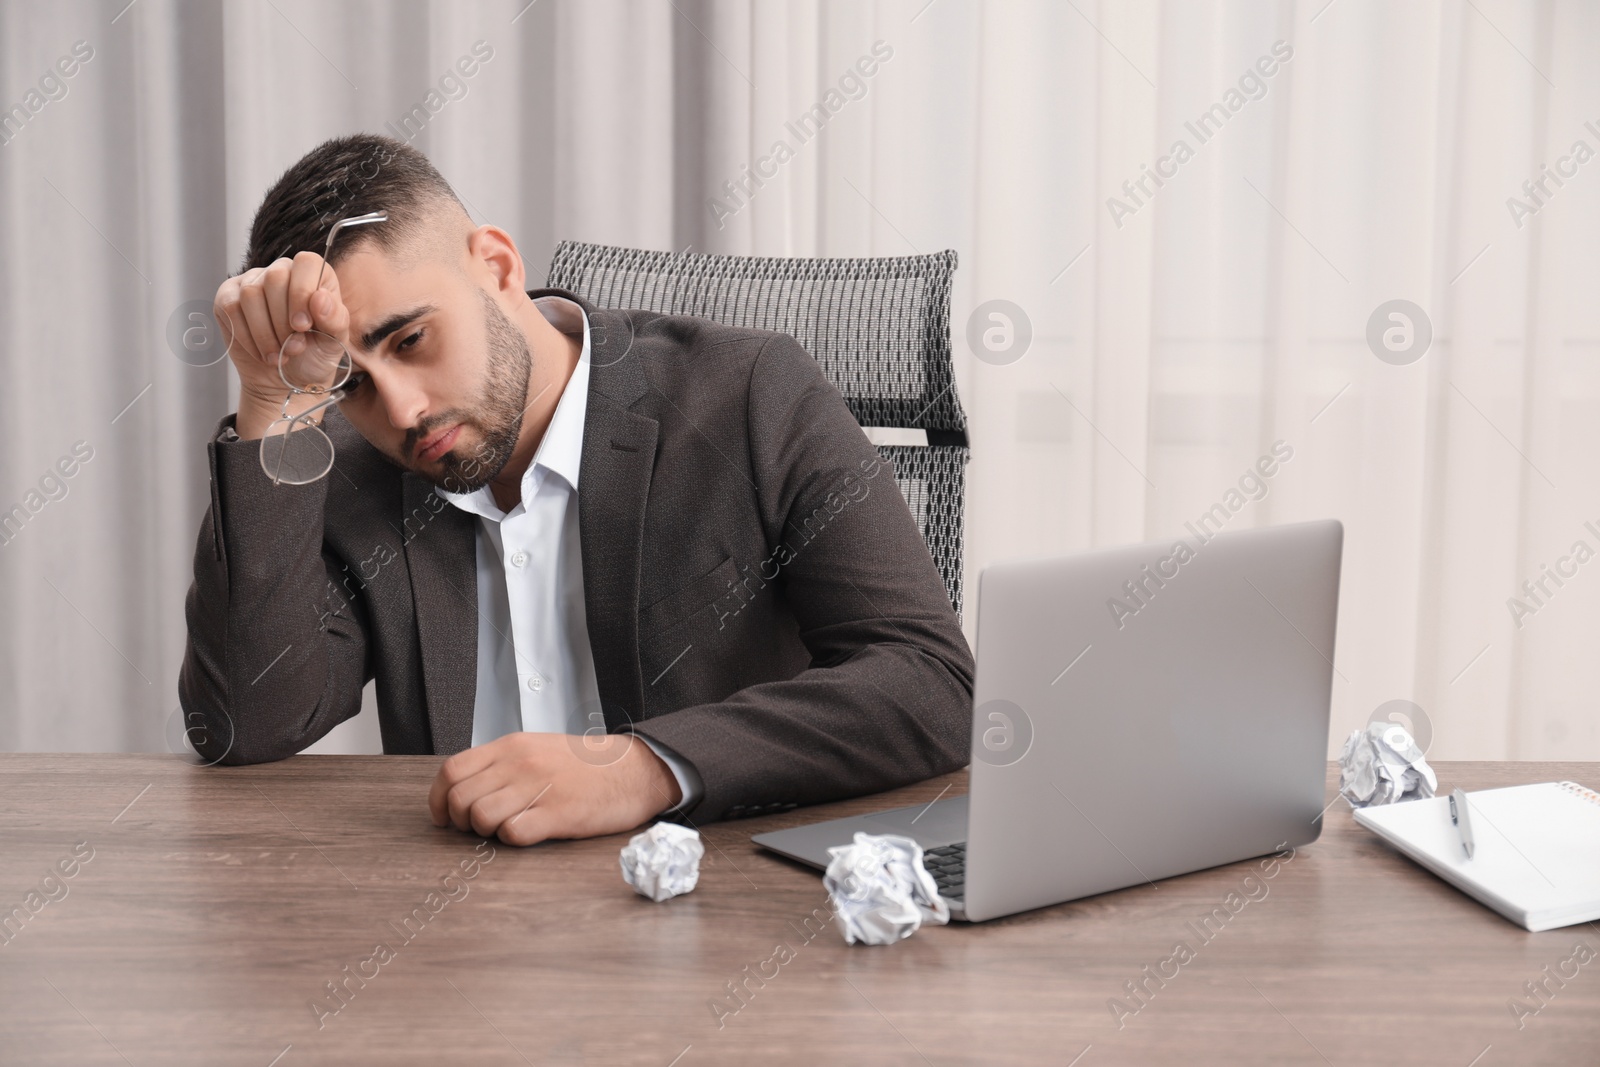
403,402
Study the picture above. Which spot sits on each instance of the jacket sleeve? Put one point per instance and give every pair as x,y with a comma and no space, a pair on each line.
887,699
276,652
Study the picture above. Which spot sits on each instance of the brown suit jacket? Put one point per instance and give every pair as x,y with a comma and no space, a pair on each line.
759,599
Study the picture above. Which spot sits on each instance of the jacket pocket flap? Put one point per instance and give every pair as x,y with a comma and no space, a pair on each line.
695,596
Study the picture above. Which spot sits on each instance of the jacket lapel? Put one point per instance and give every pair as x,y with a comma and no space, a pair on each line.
442,558
619,455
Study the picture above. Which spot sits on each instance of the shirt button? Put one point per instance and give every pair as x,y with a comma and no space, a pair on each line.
519,558
535,683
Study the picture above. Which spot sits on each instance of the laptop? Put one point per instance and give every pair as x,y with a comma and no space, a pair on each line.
1138,713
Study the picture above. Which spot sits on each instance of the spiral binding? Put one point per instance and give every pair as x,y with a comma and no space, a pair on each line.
1581,792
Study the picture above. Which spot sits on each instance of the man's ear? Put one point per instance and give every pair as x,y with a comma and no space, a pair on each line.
493,249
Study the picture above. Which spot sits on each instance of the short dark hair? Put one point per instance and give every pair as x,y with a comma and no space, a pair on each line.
342,177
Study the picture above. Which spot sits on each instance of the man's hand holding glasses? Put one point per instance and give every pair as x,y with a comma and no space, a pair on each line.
289,334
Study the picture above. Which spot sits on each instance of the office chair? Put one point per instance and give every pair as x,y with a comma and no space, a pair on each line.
879,327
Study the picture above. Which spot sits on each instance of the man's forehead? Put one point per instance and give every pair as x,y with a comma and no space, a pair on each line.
379,294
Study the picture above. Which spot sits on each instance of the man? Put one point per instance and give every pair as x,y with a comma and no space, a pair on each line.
614,564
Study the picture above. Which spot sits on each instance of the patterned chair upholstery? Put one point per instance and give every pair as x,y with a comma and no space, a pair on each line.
879,327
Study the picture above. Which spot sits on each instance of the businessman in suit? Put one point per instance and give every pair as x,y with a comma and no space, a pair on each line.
613,564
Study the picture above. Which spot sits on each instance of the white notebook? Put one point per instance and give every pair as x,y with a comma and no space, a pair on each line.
1536,855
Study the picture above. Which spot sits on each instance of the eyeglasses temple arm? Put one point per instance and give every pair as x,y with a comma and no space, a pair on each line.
327,249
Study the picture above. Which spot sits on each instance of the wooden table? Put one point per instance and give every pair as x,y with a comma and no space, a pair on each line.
208,909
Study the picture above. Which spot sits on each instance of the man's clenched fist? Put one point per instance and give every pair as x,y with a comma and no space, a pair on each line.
526,787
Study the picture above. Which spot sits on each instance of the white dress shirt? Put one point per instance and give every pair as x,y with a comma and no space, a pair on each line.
535,667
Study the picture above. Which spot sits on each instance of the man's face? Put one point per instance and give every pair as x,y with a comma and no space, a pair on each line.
447,371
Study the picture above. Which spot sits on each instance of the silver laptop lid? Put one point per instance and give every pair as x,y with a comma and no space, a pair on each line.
1146,711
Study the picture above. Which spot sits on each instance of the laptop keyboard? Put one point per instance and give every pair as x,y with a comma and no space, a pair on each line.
948,865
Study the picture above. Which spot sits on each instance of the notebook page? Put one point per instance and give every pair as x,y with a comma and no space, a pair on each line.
1537,847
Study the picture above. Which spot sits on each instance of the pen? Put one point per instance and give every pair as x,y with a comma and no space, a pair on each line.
1458,815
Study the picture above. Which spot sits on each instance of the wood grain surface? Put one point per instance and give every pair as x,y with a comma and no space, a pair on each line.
217,904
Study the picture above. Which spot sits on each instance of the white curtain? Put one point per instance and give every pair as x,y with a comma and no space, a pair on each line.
1178,331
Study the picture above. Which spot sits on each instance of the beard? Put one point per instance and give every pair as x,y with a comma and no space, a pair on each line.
498,417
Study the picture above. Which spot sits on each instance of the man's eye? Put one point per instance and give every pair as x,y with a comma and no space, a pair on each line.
409,341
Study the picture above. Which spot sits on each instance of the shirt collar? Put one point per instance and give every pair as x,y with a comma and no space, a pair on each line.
561,450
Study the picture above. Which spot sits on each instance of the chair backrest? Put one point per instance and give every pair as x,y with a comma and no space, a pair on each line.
880,328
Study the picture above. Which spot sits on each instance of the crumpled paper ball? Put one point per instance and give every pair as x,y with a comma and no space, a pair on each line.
1383,765
663,862
880,890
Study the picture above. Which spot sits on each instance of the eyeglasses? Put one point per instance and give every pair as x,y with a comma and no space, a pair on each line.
296,450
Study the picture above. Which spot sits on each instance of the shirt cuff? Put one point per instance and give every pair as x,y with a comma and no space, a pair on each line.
688,778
